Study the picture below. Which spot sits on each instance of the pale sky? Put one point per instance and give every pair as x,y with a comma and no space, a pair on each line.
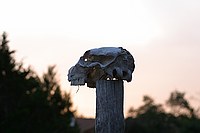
162,35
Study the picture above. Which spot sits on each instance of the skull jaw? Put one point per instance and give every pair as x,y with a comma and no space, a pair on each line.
76,75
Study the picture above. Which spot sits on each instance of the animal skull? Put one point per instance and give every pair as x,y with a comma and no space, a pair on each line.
102,63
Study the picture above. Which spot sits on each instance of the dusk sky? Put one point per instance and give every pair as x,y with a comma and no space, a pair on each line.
162,35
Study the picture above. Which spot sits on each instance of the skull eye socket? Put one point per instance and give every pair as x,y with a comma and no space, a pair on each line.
88,58
114,73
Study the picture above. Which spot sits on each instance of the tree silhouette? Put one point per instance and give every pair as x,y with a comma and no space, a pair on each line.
152,118
179,104
149,106
29,103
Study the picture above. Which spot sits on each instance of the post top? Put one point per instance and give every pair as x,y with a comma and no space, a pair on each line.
102,63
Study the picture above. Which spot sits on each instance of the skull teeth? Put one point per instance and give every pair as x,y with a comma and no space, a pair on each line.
79,81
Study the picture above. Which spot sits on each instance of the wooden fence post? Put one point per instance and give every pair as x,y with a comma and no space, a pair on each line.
109,106
94,68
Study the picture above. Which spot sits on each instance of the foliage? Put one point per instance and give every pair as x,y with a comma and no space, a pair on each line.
29,103
179,105
152,118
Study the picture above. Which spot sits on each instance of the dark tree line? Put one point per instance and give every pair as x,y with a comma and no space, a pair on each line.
29,103
152,117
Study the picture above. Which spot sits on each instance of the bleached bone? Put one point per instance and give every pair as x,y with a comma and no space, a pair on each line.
106,63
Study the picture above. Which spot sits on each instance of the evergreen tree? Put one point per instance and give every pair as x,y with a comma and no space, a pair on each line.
54,113
15,81
29,104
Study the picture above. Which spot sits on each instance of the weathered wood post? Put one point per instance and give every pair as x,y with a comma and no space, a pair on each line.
105,68
109,106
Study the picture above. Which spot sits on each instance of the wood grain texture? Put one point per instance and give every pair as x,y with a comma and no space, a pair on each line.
109,106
